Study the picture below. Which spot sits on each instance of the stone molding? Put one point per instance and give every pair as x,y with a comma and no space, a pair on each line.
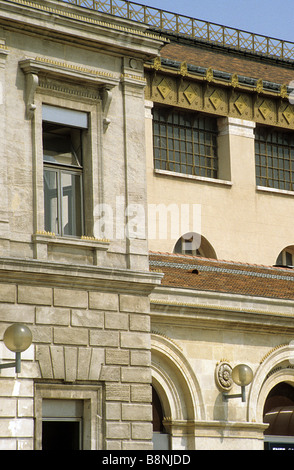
204,93
227,311
235,126
42,66
275,367
166,355
81,276
44,240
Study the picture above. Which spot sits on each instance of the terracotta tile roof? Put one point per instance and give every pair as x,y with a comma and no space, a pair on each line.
230,62
192,272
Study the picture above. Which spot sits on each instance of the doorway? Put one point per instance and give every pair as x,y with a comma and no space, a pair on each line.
62,424
279,414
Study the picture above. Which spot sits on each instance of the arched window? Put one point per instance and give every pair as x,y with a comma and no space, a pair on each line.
286,257
279,414
194,244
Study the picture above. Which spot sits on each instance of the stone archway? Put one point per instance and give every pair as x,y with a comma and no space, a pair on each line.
276,367
178,389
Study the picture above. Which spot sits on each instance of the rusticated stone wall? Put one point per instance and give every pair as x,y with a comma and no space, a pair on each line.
81,338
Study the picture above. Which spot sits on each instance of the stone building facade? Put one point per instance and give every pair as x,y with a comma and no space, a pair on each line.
84,297
146,271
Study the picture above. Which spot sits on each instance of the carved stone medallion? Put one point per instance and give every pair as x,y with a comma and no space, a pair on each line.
223,376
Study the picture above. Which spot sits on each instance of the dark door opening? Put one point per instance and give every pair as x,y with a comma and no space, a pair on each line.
61,435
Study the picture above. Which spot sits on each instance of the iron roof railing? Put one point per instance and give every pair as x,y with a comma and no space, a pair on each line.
192,27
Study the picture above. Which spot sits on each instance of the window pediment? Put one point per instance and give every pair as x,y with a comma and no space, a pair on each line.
36,69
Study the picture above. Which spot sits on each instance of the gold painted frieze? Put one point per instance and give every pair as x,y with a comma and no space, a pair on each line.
228,96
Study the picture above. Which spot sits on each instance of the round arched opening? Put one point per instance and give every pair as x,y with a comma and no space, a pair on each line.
286,257
192,243
278,413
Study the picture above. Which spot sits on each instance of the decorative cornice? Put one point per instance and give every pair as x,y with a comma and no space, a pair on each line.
221,316
40,272
209,74
50,85
222,94
53,67
40,70
197,306
74,14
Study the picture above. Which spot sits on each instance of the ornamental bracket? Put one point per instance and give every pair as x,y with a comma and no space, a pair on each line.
106,95
32,81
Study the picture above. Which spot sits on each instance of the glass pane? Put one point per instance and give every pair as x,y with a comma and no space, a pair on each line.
51,201
186,142
62,145
58,149
71,204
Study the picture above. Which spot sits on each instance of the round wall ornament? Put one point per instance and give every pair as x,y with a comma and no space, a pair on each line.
223,376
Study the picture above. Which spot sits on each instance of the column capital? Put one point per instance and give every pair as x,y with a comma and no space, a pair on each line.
235,126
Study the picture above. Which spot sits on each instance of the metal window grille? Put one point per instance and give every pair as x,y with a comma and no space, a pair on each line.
274,158
185,142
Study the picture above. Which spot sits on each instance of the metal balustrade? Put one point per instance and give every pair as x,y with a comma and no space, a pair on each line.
192,27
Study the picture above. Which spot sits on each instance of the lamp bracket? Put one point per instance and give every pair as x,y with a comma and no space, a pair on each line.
241,395
16,363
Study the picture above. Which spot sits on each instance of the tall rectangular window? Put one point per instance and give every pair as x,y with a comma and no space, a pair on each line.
63,171
185,142
274,158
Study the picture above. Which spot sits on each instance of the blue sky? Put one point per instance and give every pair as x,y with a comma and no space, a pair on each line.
267,17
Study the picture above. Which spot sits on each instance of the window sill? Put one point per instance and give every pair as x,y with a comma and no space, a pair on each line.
193,177
46,242
281,192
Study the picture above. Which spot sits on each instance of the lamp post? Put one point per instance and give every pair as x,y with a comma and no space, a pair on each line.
242,375
17,338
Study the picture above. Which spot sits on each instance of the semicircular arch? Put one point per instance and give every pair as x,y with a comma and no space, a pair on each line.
277,367
193,243
286,256
175,381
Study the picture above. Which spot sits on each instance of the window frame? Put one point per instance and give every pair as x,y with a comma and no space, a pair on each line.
59,170
176,136
91,396
270,168
92,167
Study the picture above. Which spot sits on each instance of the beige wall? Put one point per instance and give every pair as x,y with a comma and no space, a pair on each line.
242,222
193,332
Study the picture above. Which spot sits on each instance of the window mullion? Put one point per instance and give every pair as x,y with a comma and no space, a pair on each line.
59,199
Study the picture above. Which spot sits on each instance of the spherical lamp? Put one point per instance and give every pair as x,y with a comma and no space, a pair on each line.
17,337
242,375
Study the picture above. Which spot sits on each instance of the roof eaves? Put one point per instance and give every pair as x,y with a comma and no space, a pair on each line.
225,77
